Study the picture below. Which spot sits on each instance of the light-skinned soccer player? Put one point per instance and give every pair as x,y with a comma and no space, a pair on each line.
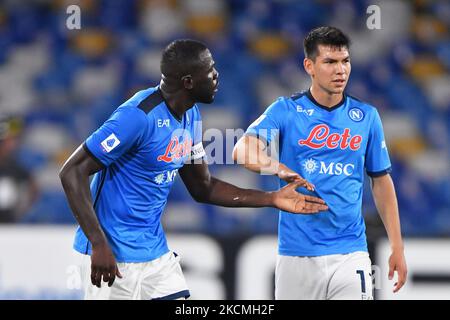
330,139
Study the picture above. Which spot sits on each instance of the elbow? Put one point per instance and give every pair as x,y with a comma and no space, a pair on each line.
67,176
202,194
63,172
200,197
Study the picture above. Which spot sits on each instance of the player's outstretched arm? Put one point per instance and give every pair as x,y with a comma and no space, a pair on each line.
386,202
74,177
207,189
251,152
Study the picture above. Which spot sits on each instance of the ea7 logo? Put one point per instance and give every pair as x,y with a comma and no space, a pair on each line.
308,112
163,123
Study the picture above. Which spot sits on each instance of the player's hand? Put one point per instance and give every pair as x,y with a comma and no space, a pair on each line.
103,265
287,199
289,176
397,263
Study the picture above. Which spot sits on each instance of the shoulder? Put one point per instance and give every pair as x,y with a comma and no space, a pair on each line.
141,104
145,100
298,96
282,104
356,105
290,103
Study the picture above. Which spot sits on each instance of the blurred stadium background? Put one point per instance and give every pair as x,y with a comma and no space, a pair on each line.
58,85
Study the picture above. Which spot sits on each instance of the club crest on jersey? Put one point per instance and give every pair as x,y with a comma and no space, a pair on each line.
176,150
356,114
320,137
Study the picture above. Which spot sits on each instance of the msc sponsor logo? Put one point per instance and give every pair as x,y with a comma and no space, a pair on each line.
165,177
320,137
331,168
310,166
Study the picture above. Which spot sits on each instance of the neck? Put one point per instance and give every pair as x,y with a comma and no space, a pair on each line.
176,98
325,98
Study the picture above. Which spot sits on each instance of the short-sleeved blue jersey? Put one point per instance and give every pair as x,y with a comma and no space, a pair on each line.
331,148
140,147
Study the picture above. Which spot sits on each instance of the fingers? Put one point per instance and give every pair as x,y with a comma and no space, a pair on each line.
115,273
302,182
401,280
112,276
314,199
110,280
398,285
108,275
309,210
308,185
315,207
96,277
391,271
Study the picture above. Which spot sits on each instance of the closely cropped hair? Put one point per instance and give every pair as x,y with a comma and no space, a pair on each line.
180,57
330,36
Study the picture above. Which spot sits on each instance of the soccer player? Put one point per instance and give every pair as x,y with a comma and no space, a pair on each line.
329,138
135,156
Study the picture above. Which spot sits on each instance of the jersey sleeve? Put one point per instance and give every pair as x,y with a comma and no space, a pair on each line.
117,135
377,156
197,150
269,125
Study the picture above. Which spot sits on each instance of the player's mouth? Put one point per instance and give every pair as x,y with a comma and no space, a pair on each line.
216,87
339,82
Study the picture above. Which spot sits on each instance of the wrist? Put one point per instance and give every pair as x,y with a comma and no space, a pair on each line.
397,248
270,168
271,198
281,169
98,241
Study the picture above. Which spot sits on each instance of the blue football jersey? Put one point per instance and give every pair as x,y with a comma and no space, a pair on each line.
331,148
140,147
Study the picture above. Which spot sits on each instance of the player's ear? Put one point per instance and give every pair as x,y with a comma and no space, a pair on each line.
188,82
308,65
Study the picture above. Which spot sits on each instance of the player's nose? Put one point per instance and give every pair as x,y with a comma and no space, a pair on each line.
340,68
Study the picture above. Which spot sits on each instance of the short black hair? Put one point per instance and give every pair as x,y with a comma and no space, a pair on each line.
330,36
181,57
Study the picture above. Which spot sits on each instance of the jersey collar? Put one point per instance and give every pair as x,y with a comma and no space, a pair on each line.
167,106
340,104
